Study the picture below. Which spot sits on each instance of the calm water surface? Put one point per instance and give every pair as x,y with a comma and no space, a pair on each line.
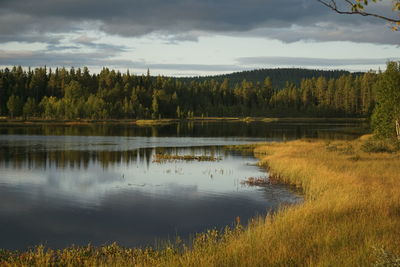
64,185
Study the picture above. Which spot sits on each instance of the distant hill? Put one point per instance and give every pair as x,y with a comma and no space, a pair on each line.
278,76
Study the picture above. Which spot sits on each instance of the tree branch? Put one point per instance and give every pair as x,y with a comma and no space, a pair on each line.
332,5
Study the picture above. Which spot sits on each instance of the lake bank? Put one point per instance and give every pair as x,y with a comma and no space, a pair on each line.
151,122
351,211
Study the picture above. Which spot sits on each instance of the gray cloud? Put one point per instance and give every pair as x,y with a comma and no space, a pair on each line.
301,61
175,18
330,31
96,59
109,59
88,42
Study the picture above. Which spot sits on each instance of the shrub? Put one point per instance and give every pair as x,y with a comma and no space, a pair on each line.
374,145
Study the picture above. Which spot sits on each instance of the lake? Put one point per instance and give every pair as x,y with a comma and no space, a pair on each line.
62,185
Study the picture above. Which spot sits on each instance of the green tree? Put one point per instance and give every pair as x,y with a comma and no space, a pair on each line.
95,108
38,83
154,106
50,107
367,95
386,115
14,106
73,91
30,108
267,89
306,96
127,108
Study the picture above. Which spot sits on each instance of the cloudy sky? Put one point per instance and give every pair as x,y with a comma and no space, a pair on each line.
192,37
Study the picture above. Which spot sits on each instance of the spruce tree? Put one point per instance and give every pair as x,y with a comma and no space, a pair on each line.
386,116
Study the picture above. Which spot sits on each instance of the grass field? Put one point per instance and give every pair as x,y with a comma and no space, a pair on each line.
350,217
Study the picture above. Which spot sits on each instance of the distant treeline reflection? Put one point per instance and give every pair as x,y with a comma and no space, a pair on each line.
40,156
33,157
196,129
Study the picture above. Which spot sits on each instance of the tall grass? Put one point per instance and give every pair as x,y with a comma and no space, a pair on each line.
351,217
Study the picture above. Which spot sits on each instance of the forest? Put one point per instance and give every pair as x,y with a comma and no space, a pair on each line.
77,94
280,76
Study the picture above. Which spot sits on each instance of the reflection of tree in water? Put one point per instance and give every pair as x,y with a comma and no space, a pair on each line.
212,151
38,157
197,129
18,157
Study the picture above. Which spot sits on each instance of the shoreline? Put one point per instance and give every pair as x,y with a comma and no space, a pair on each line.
350,217
154,122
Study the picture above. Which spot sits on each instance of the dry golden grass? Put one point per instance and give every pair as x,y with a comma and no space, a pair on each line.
352,209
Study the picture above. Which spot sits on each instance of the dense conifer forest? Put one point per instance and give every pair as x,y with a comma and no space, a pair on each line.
280,76
77,94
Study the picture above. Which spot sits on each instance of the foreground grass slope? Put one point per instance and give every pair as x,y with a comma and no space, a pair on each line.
351,212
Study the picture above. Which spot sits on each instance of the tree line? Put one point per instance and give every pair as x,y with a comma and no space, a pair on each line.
280,76
76,94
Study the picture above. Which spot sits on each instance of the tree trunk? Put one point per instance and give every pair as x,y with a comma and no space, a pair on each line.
398,128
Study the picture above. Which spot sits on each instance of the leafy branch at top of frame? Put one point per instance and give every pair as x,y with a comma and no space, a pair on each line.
358,7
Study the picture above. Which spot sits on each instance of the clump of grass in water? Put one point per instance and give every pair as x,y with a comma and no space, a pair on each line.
159,158
154,122
256,181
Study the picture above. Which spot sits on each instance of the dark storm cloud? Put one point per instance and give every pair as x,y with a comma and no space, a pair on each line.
173,17
19,27
149,15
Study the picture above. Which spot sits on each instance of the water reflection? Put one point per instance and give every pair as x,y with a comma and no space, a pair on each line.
23,157
75,197
130,217
64,185
270,131
20,157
